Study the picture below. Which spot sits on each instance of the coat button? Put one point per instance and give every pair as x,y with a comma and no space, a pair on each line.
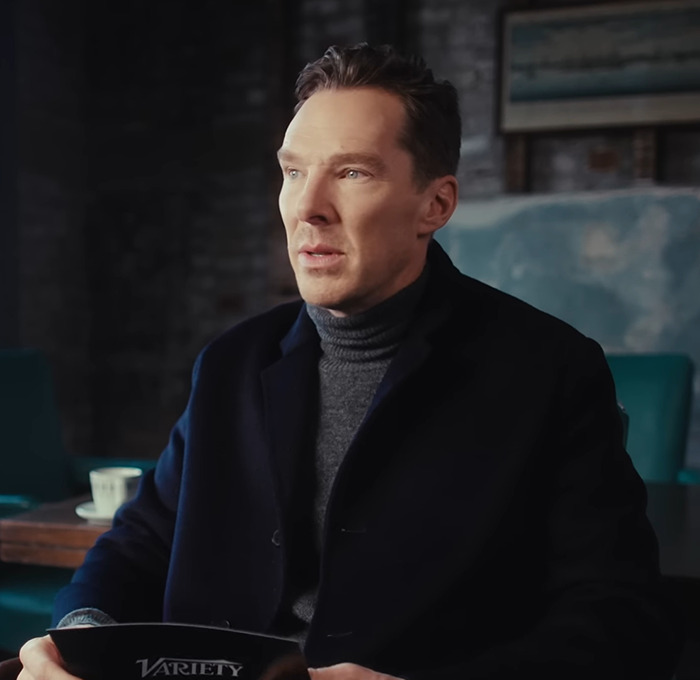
276,538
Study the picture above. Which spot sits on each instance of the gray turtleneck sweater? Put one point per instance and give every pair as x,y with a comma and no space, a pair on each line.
355,353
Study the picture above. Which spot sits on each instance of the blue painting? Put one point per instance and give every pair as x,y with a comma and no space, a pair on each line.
598,65
656,52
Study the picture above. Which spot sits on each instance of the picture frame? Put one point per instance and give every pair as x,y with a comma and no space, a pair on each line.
600,66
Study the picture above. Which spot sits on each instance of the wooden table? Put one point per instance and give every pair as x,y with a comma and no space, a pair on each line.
50,535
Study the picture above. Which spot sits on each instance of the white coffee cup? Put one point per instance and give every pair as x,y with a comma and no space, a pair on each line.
113,486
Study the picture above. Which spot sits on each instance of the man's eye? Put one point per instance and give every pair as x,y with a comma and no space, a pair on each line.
292,173
354,174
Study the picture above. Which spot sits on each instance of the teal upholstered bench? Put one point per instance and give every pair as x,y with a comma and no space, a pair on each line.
27,592
26,601
34,468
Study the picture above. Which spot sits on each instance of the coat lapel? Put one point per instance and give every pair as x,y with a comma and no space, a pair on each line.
290,388
414,351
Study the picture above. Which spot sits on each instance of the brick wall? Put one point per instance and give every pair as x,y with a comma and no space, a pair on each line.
54,313
147,216
458,40
144,206
9,232
177,223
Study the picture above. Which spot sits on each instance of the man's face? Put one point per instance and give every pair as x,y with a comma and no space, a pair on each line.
354,217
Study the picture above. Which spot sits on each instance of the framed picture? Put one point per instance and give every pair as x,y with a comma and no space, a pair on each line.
630,63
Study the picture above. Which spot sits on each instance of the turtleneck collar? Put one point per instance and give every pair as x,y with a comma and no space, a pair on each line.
370,335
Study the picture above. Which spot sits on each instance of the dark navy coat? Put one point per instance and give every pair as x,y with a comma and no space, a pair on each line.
486,521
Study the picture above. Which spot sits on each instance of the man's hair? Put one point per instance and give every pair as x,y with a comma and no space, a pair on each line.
433,130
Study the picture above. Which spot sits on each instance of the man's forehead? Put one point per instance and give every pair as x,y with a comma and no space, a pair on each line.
344,121
352,110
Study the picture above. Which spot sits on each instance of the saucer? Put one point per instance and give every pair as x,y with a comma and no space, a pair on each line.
87,511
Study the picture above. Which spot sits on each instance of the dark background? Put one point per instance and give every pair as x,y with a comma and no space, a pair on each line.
138,214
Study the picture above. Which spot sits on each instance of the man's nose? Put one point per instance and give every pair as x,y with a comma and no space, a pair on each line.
314,203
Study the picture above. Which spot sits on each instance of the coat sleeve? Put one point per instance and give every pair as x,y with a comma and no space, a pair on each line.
605,614
124,574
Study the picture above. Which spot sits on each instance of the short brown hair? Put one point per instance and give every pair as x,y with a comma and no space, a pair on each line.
433,130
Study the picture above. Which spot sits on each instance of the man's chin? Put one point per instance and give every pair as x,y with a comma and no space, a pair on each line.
327,303
334,303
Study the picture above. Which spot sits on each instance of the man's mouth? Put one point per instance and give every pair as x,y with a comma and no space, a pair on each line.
319,255
320,251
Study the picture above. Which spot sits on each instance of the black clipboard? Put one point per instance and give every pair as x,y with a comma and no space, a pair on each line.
175,651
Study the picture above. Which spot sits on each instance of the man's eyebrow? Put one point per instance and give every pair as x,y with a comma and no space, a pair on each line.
369,160
286,155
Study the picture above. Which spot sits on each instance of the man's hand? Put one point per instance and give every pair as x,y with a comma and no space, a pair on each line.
41,661
348,671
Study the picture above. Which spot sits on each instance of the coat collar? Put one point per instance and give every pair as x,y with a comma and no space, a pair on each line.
432,310
290,385
290,393
431,314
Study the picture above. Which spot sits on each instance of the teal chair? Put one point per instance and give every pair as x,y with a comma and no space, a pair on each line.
34,468
656,392
34,465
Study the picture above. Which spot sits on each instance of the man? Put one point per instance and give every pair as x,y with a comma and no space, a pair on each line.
415,474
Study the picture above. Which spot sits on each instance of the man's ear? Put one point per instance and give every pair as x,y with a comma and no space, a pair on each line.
441,201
